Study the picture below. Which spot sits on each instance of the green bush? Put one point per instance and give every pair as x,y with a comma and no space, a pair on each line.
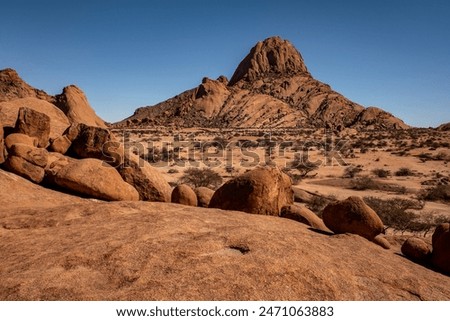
201,177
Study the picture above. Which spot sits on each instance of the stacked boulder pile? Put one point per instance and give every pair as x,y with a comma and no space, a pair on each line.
59,141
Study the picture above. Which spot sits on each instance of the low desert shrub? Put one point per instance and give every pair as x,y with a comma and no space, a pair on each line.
436,193
382,173
351,171
404,171
363,183
198,177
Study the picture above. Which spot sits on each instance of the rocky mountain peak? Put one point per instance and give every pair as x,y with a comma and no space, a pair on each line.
271,56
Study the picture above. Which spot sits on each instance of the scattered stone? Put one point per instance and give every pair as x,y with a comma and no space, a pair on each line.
94,178
150,184
16,138
440,256
34,155
34,124
416,250
264,190
352,216
183,194
303,215
60,145
204,195
24,168
382,241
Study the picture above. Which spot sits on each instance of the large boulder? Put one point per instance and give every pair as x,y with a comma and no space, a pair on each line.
440,256
416,249
34,155
90,141
183,194
264,190
150,184
94,178
303,215
204,195
24,168
17,138
34,124
352,216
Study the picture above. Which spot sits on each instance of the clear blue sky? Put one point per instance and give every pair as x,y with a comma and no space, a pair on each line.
127,54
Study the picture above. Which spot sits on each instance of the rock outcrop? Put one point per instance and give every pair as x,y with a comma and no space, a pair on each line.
56,246
263,190
74,104
352,216
270,88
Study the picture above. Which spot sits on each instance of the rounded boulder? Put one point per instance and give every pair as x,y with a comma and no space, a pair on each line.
264,190
184,194
354,216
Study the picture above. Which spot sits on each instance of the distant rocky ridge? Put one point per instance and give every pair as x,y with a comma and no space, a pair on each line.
271,88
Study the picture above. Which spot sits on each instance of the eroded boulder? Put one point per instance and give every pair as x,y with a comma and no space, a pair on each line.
352,215
94,178
204,195
303,215
150,184
183,194
264,190
417,250
34,124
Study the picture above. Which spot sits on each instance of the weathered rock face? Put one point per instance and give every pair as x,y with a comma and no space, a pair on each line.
24,168
204,195
148,182
56,246
94,178
89,141
34,124
270,88
17,138
417,250
74,104
303,215
183,194
352,216
260,191
440,256
60,144
34,155
13,87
